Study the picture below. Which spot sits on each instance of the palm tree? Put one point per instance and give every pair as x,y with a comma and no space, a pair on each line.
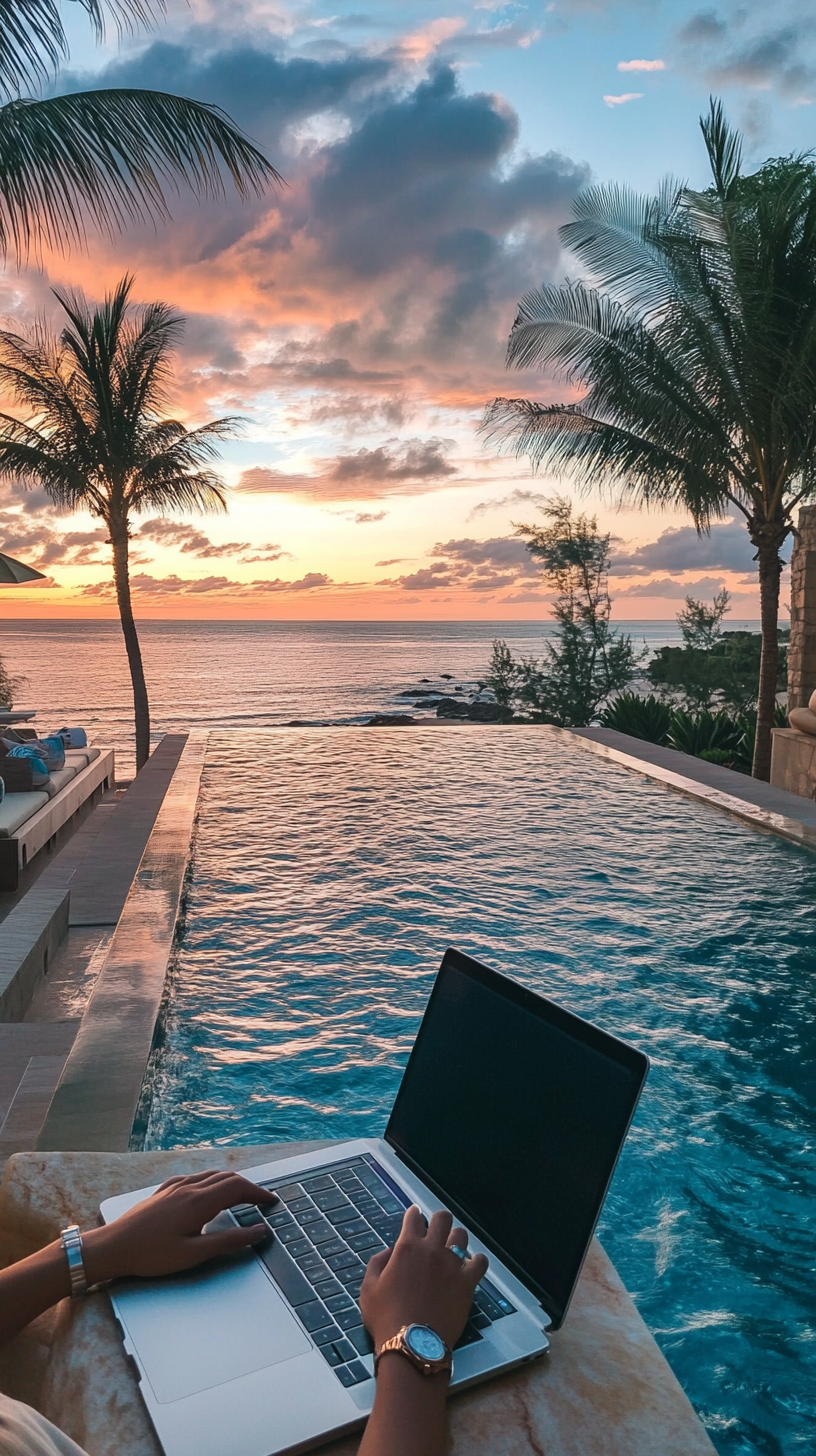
100,157
93,435
695,346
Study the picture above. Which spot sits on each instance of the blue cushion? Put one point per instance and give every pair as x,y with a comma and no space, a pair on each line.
53,754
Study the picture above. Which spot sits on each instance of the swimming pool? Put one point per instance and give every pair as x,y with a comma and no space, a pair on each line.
330,872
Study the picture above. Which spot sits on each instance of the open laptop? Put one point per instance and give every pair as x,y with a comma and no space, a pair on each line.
511,1113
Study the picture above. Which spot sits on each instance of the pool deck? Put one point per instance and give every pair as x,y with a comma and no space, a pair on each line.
53,940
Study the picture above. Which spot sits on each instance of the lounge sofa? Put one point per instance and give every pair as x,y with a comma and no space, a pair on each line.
30,818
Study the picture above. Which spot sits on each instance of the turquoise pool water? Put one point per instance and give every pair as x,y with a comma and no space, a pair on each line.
330,872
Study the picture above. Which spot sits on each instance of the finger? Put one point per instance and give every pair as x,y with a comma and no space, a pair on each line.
475,1269
227,1190
413,1224
225,1241
439,1228
457,1236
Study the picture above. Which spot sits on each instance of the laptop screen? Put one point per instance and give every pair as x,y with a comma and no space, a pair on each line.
514,1111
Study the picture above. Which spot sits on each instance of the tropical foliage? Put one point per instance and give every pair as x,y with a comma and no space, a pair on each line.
585,660
695,350
92,433
107,157
722,738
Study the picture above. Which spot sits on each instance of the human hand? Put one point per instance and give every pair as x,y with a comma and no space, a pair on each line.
163,1233
419,1280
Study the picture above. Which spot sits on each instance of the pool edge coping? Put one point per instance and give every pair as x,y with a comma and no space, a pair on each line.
95,1104
768,820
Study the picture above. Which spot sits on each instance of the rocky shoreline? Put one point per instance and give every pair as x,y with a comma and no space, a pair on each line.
477,707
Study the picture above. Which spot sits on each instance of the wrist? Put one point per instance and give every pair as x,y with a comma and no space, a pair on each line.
99,1256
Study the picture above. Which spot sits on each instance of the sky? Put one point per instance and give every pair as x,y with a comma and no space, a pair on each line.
357,317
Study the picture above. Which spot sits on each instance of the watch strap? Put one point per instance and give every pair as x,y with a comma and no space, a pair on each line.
71,1239
399,1345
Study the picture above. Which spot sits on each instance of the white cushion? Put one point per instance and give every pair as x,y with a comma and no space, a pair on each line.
59,778
16,808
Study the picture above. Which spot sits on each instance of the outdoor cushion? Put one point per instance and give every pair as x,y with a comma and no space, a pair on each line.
80,757
16,808
59,778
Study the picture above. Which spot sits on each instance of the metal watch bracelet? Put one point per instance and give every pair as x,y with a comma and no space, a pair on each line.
71,1239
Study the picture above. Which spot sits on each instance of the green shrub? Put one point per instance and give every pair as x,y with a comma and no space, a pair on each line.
647,718
705,731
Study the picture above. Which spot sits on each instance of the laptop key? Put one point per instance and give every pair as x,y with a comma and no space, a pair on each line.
479,1320
246,1220
293,1285
325,1336
335,1302
289,1192
310,1260
367,1240
361,1340
341,1260
352,1226
317,1276
280,1220
504,1304
307,1216
487,1305
339,1215
299,1247
290,1234
333,1198
328,1289
320,1231
348,1319
354,1289
345,1376
351,1274
314,1315
332,1354
391,1205
357,1370
315,1185
469,1336
297,1205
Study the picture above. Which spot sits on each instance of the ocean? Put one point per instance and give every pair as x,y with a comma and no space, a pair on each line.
254,674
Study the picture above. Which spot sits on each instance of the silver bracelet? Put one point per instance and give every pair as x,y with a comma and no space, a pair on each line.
72,1244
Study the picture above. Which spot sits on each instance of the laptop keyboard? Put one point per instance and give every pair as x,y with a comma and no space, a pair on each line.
324,1230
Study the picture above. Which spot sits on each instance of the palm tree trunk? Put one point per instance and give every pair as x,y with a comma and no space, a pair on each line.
770,570
141,707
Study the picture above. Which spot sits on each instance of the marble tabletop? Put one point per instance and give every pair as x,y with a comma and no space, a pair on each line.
604,1389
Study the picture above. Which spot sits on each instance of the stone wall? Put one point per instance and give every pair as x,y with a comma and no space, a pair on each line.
793,762
802,649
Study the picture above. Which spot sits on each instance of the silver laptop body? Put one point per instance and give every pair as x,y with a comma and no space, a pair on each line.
511,1113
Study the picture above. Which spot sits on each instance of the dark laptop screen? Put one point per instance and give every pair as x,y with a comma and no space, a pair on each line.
514,1112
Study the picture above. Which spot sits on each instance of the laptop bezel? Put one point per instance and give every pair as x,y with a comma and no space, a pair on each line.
571,1024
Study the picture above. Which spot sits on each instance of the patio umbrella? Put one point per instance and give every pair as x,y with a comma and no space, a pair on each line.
14,573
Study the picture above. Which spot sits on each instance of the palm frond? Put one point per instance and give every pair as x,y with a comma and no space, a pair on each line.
33,39
109,158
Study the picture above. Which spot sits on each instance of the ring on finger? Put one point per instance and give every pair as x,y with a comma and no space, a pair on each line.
459,1252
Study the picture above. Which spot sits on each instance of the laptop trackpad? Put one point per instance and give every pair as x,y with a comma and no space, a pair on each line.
201,1329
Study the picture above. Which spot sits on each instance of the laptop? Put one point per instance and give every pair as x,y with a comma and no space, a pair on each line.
511,1113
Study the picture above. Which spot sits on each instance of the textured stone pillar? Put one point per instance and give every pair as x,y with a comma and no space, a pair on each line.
802,649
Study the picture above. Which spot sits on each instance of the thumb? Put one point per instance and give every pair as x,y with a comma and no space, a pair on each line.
228,1241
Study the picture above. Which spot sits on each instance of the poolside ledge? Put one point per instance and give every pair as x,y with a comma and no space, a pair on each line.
604,1389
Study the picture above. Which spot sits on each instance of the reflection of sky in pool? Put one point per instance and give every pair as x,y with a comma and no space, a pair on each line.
332,869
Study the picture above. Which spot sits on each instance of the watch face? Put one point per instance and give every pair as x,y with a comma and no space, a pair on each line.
424,1343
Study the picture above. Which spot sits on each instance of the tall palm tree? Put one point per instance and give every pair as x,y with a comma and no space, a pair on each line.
93,434
696,348
100,157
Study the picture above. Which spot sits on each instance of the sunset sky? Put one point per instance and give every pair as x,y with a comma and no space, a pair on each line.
357,319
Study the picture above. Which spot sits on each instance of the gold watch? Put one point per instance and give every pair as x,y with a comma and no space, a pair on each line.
422,1346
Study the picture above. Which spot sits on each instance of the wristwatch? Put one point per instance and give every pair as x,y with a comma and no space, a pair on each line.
422,1346
71,1240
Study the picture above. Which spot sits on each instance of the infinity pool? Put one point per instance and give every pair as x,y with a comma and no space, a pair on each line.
332,869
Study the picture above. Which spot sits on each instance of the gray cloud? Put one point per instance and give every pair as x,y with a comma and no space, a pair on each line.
193,542
743,51
173,585
725,548
478,566
515,498
41,541
365,518
395,468
704,587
